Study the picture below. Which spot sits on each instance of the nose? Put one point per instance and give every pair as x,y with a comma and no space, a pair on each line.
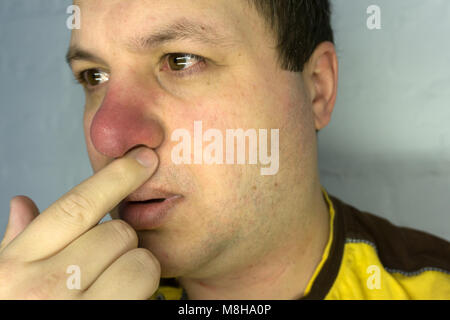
123,122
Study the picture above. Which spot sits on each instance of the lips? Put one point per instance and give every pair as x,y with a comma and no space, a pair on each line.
146,213
141,195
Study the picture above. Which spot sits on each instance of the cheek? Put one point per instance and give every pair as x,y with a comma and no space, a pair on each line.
263,102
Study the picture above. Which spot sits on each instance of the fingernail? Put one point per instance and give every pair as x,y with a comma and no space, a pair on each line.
145,157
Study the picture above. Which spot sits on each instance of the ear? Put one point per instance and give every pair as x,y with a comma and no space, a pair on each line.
320,75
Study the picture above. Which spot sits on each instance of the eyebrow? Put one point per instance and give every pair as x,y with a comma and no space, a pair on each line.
76,53
181,29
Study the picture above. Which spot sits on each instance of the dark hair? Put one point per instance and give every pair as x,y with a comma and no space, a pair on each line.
299,25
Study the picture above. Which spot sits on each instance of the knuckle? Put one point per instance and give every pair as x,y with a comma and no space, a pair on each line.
124,233
7,269
50,282
12,275
45,286
146,261
25,281
73,208
148,268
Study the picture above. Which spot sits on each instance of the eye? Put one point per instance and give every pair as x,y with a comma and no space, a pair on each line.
178,62
92,77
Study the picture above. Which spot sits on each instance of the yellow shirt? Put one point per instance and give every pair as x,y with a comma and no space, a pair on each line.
367,257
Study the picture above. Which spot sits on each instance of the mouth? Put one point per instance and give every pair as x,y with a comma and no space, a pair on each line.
149,201
148,214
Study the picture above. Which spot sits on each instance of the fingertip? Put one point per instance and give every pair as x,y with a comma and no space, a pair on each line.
13,202
23,203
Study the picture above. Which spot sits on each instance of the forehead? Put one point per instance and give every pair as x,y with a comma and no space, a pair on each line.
122,21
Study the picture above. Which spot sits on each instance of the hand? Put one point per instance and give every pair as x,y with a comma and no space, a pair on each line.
38,248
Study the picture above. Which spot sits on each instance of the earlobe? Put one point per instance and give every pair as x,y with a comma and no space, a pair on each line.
321,78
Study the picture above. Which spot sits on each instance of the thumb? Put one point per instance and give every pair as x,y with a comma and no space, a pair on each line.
22,211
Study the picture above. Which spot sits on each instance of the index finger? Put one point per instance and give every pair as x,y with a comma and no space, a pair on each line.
84,206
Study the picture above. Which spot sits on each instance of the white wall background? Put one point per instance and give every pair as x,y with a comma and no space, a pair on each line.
387,149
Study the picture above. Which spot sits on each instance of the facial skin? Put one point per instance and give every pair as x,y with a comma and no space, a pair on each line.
236,234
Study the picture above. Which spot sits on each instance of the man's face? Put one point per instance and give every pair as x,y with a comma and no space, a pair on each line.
229,214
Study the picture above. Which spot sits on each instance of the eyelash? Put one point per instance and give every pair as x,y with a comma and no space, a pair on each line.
195,68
